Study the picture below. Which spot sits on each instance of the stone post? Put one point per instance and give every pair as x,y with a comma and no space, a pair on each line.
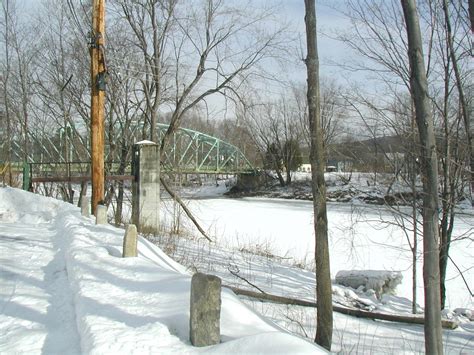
130,242
101,214
85,206
204,322
146,187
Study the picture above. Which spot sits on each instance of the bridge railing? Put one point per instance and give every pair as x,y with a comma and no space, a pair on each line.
74,172
188,151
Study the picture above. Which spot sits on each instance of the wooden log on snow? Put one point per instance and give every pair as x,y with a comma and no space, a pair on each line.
447,324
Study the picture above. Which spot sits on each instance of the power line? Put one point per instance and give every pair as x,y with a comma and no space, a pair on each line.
76,19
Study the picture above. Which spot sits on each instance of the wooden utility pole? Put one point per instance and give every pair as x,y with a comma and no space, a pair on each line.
98,71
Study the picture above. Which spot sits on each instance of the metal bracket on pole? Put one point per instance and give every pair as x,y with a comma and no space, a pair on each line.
100,81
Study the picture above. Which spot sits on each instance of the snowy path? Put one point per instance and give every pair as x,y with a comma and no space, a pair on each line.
65,289
36,305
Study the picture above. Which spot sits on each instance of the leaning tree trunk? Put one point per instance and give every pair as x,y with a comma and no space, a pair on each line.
429,164
323,275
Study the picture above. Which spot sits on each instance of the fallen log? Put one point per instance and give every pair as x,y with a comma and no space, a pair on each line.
447,324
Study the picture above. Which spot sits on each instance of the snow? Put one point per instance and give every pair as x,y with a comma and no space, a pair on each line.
277,275
145,142
361,237
278,236
65,289
381,281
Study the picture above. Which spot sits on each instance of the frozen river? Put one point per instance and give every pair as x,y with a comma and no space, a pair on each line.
360,238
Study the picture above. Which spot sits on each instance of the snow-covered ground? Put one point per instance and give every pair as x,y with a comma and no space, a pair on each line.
281,275
355,187
362,237
277,276
64,289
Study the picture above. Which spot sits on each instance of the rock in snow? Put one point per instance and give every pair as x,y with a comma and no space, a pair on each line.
380,281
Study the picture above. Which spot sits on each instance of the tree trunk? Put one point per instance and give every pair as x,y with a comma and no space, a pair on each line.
278,172
82,193
471,14
429,165
119,209
415,235
323,275
414,209
288,175
463,102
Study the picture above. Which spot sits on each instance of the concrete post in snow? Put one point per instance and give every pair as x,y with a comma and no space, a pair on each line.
204,322
101,214
130,242
85,206
146,186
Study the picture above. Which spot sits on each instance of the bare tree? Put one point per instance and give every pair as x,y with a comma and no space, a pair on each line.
429,162
471,14
450,106
398,121
378,36
323,275
219,61
275,131
125,105
5,83
21,52
151,22
460,86
333,110
55,71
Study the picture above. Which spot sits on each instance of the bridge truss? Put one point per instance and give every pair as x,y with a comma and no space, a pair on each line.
190,151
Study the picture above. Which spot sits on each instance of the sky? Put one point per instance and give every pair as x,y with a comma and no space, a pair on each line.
330,50
291,69
329,20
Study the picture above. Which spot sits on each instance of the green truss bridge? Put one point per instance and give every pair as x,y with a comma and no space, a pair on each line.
187,152
190,151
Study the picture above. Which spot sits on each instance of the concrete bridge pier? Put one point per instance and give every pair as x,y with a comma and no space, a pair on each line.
249,181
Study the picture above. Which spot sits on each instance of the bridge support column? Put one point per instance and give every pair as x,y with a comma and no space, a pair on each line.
248,182
146,187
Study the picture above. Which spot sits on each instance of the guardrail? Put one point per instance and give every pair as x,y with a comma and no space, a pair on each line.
73,172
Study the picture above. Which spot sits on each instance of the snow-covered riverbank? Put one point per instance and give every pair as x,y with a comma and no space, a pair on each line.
65,289
361,237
